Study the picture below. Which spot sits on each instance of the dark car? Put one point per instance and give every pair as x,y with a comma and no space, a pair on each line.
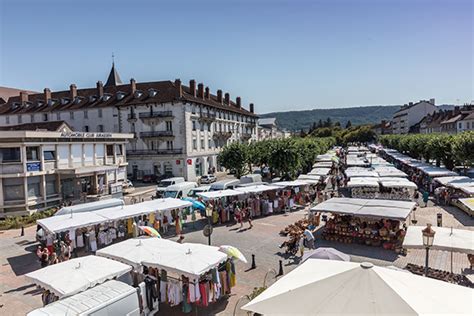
148,178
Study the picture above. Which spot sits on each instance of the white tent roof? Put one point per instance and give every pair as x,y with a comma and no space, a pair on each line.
391,209
147,207
325,157
88,207
319,171
469,203
389,172
192,260
450,239
467,189
76,275
294,183
61,223
258,188
360,172
453,179
323,164
56,224
219,194
397,183
136,250
323,287
362,182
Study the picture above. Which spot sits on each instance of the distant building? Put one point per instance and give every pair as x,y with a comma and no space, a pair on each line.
447,121
179,130
6,93
384,128
411,114
268,129
466,123
43,164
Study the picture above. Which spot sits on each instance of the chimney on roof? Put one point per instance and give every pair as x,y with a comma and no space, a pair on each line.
251,108
47,95
100,89
200,92
178,86
238,102
192,87
432,101
23,96
457,110
227,98
219,96
207,95
133,85
73,91
410,103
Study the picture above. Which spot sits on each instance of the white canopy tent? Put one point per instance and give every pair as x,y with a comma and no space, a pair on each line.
218,194
323,164
390,209
360,172
362,182
136,250
448,239
257,188
313,179
445,181
88,207
294,183
76,275
389,171
57,224
323,287
397,183
326,157
320,171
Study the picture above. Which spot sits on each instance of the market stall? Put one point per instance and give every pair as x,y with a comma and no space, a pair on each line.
394,188
467,205
323,172
353,172
366,221
76,275
189,275
363,187
210,195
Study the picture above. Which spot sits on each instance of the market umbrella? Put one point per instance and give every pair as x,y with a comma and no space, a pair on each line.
338,287
231,251
150,231
326,253
196,204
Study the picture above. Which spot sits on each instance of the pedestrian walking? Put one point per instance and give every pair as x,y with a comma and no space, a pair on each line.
309,237
426,196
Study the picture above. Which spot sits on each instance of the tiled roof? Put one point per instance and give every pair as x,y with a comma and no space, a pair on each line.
115,95
6,93
52,126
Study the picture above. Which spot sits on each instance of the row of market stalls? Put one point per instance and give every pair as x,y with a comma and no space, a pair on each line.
188,275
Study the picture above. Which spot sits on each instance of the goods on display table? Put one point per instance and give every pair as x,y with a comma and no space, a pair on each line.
366,221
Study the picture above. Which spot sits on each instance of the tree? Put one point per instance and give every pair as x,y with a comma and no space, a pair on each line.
235,158
348,124
302,133
463,148
284,158
328,122
337,124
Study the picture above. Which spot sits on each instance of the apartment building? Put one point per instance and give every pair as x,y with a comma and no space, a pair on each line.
43,164
178,130
411,114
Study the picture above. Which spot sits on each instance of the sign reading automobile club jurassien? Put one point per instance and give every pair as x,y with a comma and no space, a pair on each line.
85,135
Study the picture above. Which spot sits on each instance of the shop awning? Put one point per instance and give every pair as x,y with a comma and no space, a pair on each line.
397,183
449,239
76,275
433,171
257,188
143,208
372,208
86,170
295,183
453,179
469,203
218,194
319,171
329,287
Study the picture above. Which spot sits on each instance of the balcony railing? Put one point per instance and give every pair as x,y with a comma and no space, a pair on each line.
159,114
132,116
222,135
140,152
156,134
204,116
246,136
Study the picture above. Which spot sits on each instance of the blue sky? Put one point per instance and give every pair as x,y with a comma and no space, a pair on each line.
281,55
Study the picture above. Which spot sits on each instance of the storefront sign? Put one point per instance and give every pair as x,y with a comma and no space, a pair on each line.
85,135
33,166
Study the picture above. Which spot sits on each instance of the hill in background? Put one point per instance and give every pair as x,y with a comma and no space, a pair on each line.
296,120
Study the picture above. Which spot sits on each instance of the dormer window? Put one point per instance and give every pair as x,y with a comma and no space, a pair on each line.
152,92
64,101
51,102
138,94
120,95
77,100
15,105
92,98
106,97
39,103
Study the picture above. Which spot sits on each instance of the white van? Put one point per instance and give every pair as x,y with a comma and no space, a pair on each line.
109,298
163,184
251,178
224,185
179,190
193,192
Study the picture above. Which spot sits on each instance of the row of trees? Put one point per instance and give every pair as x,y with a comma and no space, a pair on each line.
284,157
351,134
448,149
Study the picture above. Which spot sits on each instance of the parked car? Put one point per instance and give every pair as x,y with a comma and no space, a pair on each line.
127,184
180,190
148,178
163,184
224,185
208,178
194,192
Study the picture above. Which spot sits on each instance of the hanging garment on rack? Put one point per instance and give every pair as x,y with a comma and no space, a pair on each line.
163,286
204,297
186,304
151,293
175,292
80,240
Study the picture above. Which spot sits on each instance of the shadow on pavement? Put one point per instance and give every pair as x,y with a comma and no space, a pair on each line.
21,288
23,264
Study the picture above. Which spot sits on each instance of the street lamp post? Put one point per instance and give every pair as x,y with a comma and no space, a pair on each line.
428,237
